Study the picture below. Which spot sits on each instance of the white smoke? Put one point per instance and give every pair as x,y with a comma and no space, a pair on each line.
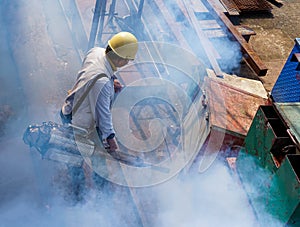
29,195
213,198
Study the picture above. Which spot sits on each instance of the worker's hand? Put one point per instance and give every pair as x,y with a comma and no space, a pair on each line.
117,86
113,145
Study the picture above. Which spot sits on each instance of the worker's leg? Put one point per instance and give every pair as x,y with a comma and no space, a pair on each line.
77,183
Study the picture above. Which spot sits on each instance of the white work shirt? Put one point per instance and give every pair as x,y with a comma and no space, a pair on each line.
95,108
104,91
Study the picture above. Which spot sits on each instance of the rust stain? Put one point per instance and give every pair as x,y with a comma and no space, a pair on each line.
231,109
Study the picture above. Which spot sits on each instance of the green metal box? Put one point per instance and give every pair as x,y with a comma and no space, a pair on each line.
257,183
269,164
283,200
267,138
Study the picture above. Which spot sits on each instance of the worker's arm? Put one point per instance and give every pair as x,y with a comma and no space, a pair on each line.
103,114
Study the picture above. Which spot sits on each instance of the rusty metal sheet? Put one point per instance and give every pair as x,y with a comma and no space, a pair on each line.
231,7
253,5
291,115
234,7
231,109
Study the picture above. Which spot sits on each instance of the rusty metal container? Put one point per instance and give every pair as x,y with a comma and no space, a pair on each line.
287,206
269,163
268,139
232,108
232,104
272,194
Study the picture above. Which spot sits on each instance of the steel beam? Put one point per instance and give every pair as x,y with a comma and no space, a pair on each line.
249,54
95,23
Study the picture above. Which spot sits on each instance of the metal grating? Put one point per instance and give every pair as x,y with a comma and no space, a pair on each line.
253,5
287,86
231,7
238,6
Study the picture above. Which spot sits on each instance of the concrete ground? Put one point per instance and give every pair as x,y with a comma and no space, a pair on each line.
275,35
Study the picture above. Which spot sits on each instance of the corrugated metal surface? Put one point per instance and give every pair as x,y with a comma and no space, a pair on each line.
287,86
291,115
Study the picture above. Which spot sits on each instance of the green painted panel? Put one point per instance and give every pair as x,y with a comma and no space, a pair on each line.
267,137
269,168
291,115
287,187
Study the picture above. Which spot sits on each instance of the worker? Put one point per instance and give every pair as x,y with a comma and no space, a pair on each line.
121,48
88,103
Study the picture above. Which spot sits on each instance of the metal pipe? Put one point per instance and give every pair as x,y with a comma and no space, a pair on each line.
140,9
95,24
208,47
103,8
111,12
136,8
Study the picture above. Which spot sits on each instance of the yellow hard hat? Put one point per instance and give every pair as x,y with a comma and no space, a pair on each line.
124,44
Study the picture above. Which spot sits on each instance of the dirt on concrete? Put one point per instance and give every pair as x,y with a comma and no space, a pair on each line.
275,35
